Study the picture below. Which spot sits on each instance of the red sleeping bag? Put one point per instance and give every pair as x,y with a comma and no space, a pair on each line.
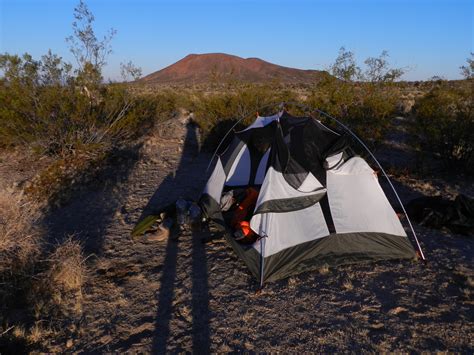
239,223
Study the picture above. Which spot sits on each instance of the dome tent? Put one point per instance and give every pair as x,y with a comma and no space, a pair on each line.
318,202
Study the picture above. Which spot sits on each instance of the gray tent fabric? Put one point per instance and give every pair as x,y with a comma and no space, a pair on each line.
318,203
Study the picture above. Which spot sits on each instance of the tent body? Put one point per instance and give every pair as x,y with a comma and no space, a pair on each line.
318,203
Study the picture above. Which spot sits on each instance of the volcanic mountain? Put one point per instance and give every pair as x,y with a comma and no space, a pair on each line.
220,67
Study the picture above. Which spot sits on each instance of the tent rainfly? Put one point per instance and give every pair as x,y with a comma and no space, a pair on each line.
318,202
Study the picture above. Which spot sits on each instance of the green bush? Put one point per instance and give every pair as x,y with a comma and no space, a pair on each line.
444,125
216,113
367,108
55,117
47,109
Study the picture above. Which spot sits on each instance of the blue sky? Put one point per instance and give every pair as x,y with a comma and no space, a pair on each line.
431,37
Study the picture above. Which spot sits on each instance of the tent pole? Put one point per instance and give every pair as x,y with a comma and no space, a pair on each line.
222,141
262,261
231,129
283,105
376,161
383,172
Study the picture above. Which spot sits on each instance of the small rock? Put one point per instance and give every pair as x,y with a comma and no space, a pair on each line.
69,343
185,313
397,310
377,326
248,346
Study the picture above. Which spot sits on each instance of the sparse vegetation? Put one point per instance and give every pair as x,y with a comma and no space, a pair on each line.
467,70
364,99
365,107
71,115
68,115
378,69
20,244
44,283
444,125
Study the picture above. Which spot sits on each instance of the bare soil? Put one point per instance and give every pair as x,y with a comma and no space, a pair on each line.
183,295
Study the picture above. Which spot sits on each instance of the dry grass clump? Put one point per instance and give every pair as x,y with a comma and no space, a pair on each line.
58,290
20,251
34,284
20,241
324,270
347,284
67,269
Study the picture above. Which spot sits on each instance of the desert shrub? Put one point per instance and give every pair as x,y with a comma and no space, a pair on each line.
371,114
56,117
444,125
377,69
47,109
365,100
69,114
216,113
54,183
467,70
366,108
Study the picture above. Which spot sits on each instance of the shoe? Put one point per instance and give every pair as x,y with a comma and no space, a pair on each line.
160,235
163,232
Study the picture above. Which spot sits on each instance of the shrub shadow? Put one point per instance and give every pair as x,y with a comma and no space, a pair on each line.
91,208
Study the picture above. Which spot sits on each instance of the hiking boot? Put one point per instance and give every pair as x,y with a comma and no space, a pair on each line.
160,235
163,232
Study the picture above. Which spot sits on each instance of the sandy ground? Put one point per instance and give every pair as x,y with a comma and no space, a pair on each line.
188,296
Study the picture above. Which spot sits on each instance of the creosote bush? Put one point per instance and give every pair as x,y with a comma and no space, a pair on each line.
69,113
216,113
444,125
55,114
367,108
78,122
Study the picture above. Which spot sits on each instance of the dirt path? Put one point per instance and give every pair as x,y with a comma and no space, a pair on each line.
186,296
